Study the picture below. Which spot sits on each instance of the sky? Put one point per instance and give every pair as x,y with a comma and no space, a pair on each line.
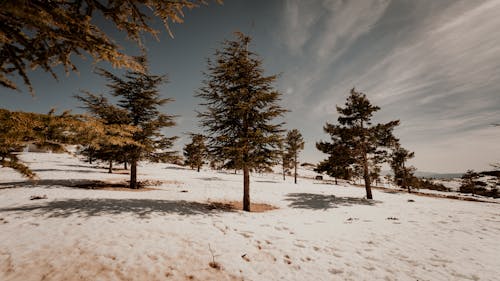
434,65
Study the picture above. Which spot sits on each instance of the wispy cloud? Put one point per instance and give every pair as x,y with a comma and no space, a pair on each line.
318,33
435,67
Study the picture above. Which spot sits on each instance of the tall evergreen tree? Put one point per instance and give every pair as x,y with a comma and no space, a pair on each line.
195,152
241,105
366,144
403,174
45,34
294,144
139,98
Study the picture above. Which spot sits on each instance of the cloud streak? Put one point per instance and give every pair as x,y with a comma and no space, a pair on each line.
436,68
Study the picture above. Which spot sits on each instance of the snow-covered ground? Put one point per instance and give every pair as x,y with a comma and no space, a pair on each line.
318,232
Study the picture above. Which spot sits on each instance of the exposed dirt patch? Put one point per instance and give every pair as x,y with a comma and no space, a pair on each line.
237,205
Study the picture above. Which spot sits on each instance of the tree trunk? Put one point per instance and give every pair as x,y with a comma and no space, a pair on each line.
366,177
198,169
336,181
295,166
133,174
283,172
125,165
246,189
110,169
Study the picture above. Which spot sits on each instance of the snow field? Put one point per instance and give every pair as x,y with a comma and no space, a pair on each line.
319,232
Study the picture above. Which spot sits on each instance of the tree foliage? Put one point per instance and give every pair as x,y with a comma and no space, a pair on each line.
403,174
106,146
241,105
284,158
468,184
45,34
361,144
50,131
138,106
195,152
294,144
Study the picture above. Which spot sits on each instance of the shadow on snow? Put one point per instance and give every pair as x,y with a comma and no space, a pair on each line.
75,183
141,208
322,202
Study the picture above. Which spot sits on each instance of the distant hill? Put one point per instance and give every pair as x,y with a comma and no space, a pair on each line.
438,175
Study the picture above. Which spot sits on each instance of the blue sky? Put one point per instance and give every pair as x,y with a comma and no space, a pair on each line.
432,64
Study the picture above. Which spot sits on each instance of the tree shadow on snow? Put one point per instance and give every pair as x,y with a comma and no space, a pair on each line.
140,208
322,202
49,183
211,179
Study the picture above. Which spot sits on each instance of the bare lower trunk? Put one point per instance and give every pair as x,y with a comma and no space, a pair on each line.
295,164
198,169
336,181
366,177
110,169
284,172
125,165
133,174
246,189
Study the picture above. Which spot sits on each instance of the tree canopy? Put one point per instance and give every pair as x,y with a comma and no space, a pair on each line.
44,34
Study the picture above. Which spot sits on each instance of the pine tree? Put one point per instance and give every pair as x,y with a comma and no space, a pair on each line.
139,99
402,173
468,184
284,158
45,34
294,144
339,162
366,144
241,105
100,147
195,152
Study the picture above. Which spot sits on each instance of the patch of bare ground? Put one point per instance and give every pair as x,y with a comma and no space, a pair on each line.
237,205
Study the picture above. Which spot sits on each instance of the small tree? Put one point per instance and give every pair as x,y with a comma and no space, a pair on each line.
402,174
140,100
468,184
365,144
284,159
100,147
338,163
241,105
294,144
195,152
